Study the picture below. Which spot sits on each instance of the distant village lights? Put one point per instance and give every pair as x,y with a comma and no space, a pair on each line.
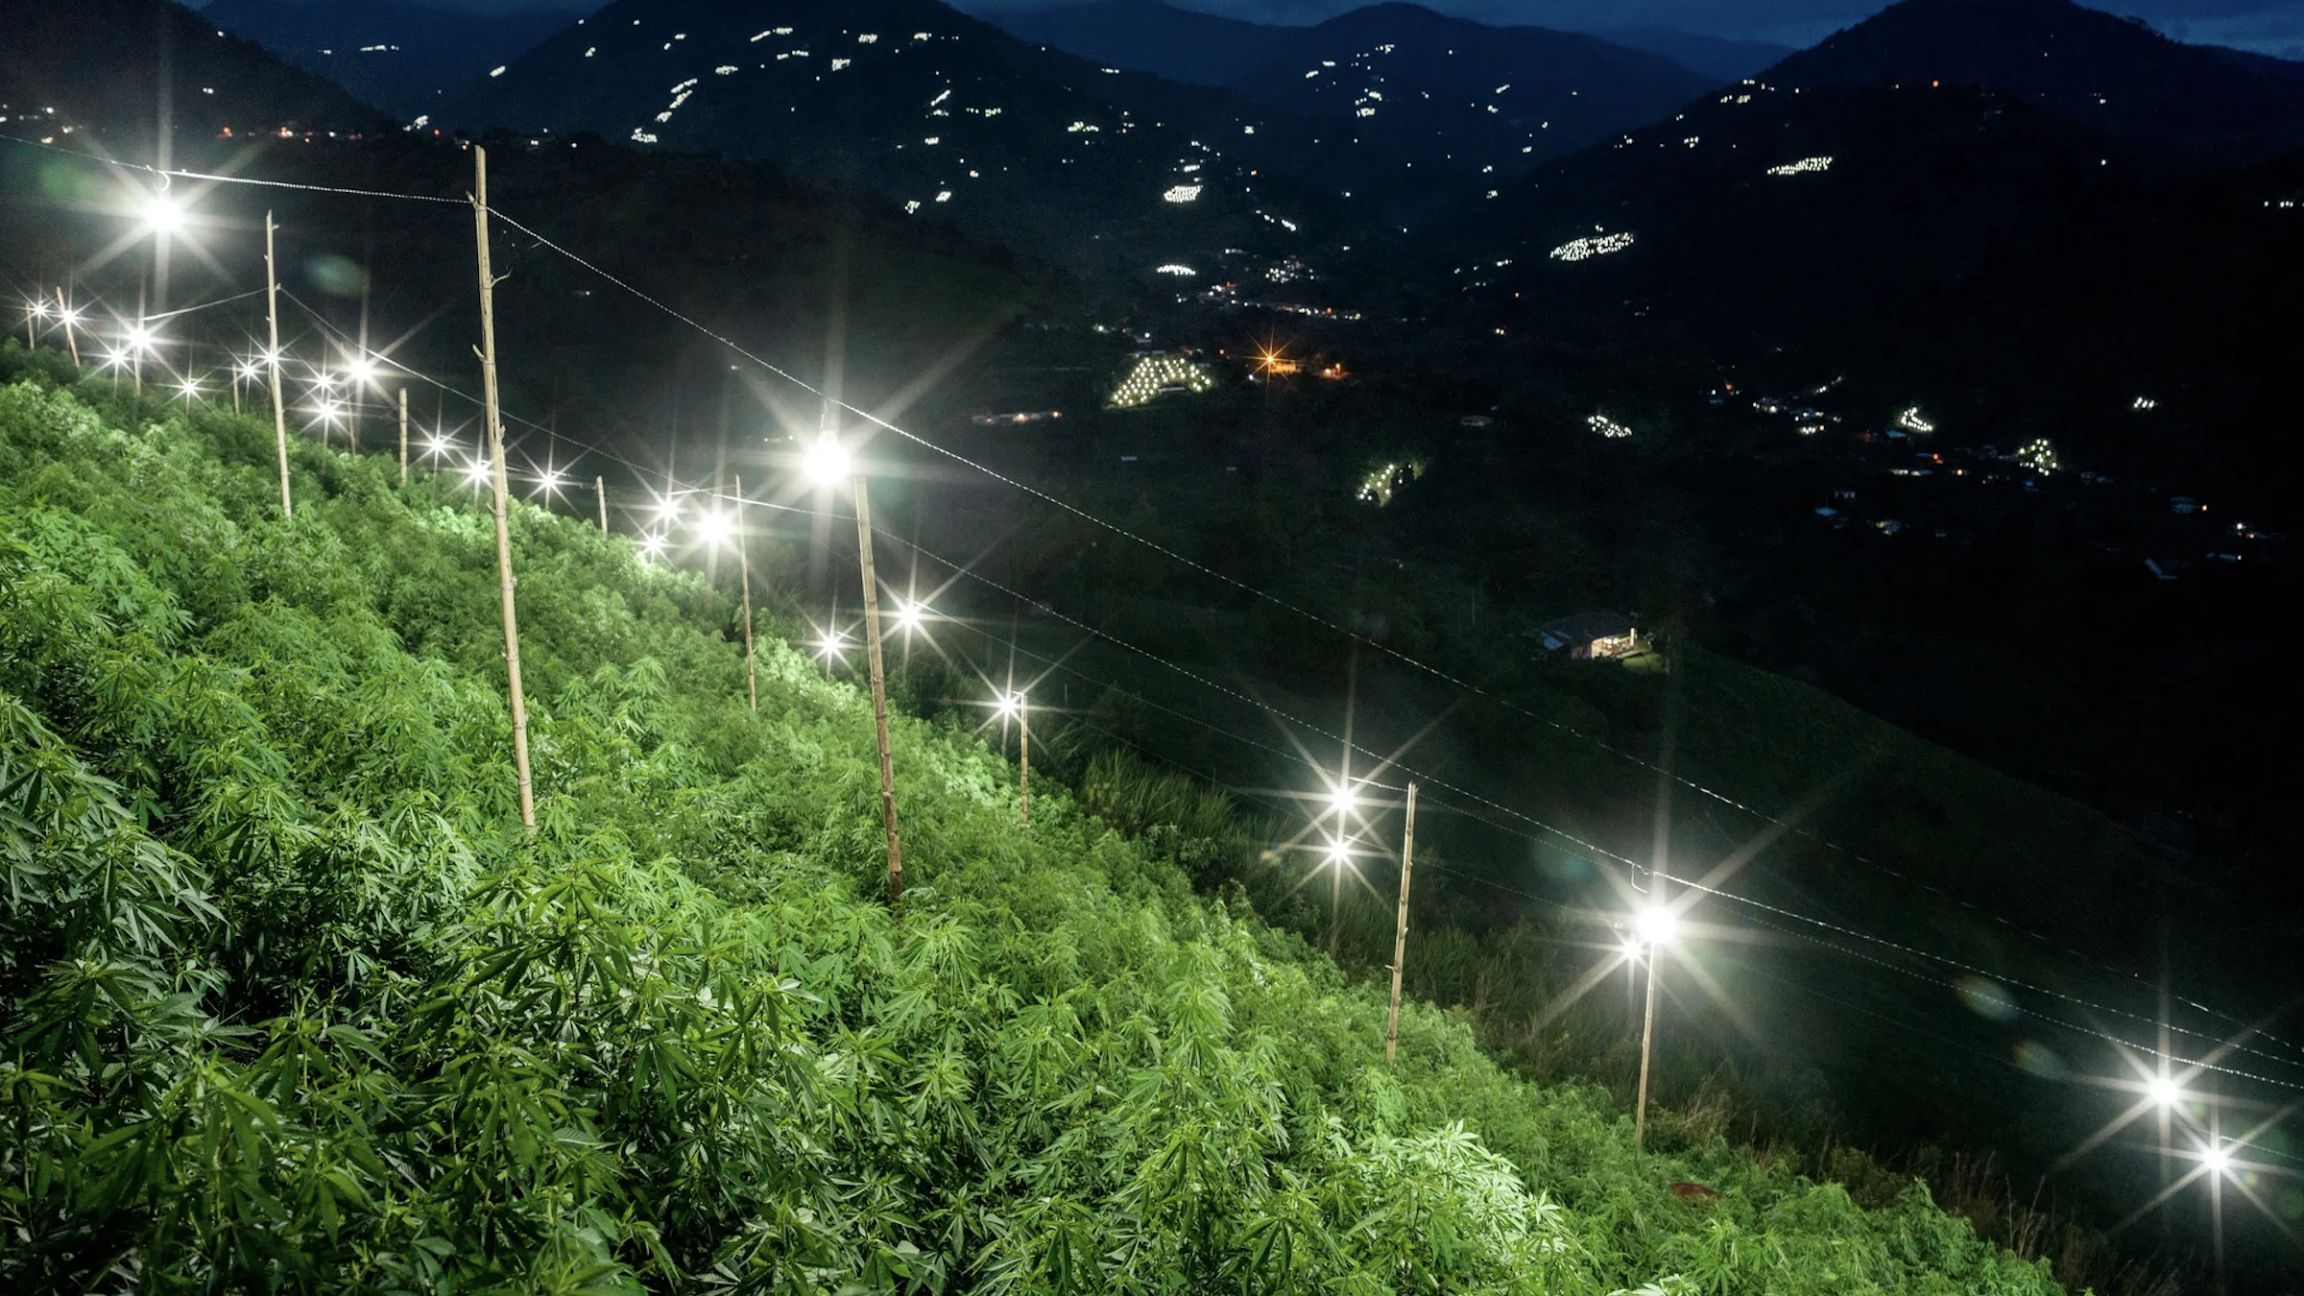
1911,421
1805,166
1607,427
1584,249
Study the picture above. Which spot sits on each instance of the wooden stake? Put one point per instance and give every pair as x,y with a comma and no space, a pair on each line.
879,692
1335,905
272,323
501,480
600,489
744,568
1647,1045
403,436
71,334
1024,748
1400,931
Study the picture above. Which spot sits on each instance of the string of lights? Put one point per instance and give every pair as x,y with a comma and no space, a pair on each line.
1779,822
1235,694
1448,677
1581,844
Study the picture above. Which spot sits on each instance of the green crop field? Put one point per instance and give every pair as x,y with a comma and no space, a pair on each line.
288,1002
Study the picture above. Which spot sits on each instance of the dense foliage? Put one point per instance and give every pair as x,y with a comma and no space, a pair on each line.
287,1001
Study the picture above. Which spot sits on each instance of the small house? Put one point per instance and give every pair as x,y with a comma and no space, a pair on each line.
1589,636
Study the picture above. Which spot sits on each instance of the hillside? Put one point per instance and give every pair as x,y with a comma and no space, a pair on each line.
392,53
955,120
340,1027
2114,75
149,73
1945,240
1429,88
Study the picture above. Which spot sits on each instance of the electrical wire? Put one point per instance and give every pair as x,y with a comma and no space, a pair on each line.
875,420
1792,826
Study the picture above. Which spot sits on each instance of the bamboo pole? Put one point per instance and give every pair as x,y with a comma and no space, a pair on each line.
272,362
879,692
600,490
1024,748
501,481
71,333
744,570
403,436
1647,1044
1400,931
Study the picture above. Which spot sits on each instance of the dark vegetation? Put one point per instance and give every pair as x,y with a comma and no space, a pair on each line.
2031,296
289,1002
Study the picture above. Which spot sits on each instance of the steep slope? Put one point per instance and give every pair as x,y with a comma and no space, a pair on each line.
951,117
1436,90
145,73
292,1002
396,54
2111,74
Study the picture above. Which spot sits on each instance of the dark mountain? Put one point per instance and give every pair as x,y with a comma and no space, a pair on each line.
1435,90
1151,36
1719,58
395,54
2015,270
959,120
1442,90
145,73
2115,75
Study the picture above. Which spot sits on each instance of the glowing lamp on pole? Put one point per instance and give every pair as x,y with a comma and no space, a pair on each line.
1653,928
827,463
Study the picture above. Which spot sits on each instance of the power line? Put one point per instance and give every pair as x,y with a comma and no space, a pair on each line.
1243,586
1788,825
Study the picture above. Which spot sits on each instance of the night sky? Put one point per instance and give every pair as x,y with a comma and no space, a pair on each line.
2267,26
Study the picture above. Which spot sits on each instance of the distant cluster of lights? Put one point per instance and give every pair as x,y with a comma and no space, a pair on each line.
1911,421
2145,403
1805,166
1584,249
1607,427
1158,375
1380,483
1182,193
2039,456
